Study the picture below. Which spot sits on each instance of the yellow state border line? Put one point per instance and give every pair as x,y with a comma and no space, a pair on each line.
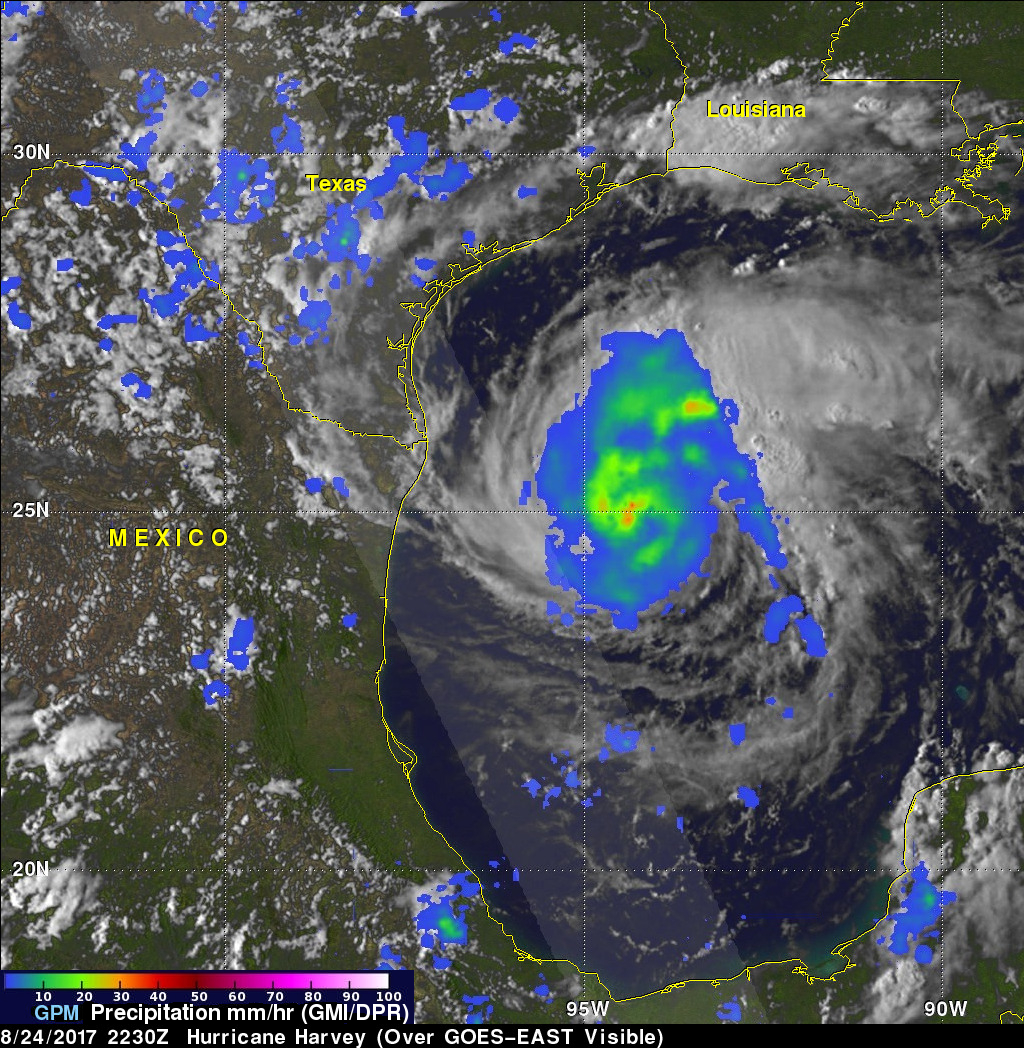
946,194
437,290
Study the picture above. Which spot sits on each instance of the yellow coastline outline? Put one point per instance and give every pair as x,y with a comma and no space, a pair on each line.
595,189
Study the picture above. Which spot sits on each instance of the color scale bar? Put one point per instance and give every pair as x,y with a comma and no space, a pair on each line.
196,980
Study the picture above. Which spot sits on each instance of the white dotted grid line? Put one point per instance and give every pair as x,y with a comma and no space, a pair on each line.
566,153
893,871
162,514
223,9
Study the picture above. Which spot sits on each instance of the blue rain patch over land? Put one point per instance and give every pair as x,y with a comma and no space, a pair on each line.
340,486
287,137
730,1011
455,175
83,196
144,390
64,264
737,733
390,961
9,284
350,621
748,796
202,660
920,911
108,320
471,101
241,175
136,153
18,317
195,331
150,100
506,110
474,1017
441,919
413,157
188,275
216,689
203,11
526,191
506,46
199,88
314,485
313,316
242,634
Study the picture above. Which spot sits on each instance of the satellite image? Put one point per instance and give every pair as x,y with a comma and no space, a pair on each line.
525,494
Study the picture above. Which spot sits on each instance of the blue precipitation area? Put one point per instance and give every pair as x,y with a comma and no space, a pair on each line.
471,101
737,733
748,796
143,390
251,349
443,921
202,660
203,11
350,621
340,486
618,739
506,46
215,690
241,176
17,316
778,618
242,634
730,1011
506,110
287,137
657,439
188,274
150,99
64,264
473,1016
390,961
571,786
526,191
920,911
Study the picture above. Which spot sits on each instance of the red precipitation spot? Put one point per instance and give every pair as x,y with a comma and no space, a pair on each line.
693,406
